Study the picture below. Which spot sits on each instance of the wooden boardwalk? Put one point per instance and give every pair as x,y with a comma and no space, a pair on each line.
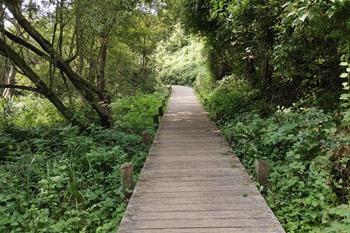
192,182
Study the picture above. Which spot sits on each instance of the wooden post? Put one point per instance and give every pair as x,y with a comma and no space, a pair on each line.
262,171
127,179
146,137
156,119
160,111
170,89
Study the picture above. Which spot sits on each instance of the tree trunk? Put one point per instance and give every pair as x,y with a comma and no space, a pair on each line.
101,73
84,87
9,71
92,64
10,79
79,37
8,52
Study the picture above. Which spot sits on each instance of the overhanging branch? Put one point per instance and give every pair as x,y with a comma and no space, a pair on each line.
21,87
29,46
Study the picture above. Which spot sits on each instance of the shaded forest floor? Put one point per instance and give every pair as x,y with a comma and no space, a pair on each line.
56,178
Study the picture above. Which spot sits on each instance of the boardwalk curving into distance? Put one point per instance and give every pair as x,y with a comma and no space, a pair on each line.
192,182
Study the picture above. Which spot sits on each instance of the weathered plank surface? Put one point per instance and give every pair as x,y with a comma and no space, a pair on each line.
192,182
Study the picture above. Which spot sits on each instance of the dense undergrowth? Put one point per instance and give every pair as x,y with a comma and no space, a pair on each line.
305,147
180,59
55,177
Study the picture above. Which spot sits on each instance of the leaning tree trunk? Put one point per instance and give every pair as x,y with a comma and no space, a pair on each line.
86,89
41,87
11,72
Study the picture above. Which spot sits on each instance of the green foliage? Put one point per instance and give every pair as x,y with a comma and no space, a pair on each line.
180,60
136,113
204,85
230,97
341,220
298,145
104,49
57,178
131,64
288,50
28,111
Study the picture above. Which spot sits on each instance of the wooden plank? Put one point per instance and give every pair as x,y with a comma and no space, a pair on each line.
197,207
168,160
222,188
198,200
208,230
207,183
195,223
194,181
209,193
217,214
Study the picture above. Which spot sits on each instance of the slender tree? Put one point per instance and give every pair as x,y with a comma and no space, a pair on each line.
47,51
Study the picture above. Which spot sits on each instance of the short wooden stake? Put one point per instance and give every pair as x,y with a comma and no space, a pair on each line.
160,111
127,179
170,89
262,171
156,119
146,138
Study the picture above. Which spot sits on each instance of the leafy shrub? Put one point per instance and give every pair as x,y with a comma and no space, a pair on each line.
230,97
340,222
287,49
204,85
298,145
180,60
136,113
28,111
